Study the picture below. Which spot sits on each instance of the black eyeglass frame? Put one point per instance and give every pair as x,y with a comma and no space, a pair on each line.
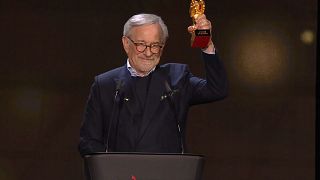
144,46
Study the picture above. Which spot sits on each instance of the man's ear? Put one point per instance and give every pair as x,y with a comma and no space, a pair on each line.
125,44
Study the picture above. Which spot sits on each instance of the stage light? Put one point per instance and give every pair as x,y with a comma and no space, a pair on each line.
307,36
261,57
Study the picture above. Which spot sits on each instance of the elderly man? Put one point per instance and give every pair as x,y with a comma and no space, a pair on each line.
142,106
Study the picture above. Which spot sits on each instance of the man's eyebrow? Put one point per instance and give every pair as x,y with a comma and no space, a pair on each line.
142,41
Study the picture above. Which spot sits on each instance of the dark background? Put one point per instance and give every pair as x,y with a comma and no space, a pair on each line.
51,50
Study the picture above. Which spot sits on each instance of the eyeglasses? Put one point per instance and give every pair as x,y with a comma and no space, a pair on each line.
141,47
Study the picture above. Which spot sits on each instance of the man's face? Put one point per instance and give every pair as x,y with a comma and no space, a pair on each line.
145,61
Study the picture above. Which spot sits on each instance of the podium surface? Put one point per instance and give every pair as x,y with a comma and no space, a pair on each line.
141,166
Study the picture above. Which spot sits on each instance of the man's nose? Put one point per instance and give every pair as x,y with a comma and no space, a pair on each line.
148,52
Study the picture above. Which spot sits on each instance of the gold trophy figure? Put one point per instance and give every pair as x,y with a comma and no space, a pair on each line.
200,37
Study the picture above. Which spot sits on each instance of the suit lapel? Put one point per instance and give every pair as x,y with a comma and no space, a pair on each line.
126,89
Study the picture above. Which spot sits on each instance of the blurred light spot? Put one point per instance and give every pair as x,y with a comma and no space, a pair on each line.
27,102
261,57
307,37
4,175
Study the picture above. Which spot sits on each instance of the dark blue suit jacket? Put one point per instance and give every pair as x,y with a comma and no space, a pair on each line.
109,116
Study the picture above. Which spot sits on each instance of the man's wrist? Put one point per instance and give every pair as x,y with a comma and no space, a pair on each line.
210,49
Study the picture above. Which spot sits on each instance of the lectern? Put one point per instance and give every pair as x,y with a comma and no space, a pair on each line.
141,166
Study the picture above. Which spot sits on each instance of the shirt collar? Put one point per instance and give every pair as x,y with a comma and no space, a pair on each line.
134,73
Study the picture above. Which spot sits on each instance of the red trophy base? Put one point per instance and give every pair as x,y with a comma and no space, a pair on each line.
200,38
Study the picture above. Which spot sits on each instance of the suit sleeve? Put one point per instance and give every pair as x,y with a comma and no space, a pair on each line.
214,86
91,131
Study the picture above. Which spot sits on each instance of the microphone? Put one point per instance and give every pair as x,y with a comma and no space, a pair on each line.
115,111
170,94
118,87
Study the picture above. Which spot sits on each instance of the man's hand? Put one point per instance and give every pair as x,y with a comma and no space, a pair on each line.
201,22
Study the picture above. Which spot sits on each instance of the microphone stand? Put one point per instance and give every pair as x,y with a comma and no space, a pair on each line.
114,114
170,93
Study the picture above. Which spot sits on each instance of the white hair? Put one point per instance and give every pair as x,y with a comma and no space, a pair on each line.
145,19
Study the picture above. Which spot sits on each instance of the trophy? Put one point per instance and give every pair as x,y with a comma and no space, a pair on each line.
200,37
